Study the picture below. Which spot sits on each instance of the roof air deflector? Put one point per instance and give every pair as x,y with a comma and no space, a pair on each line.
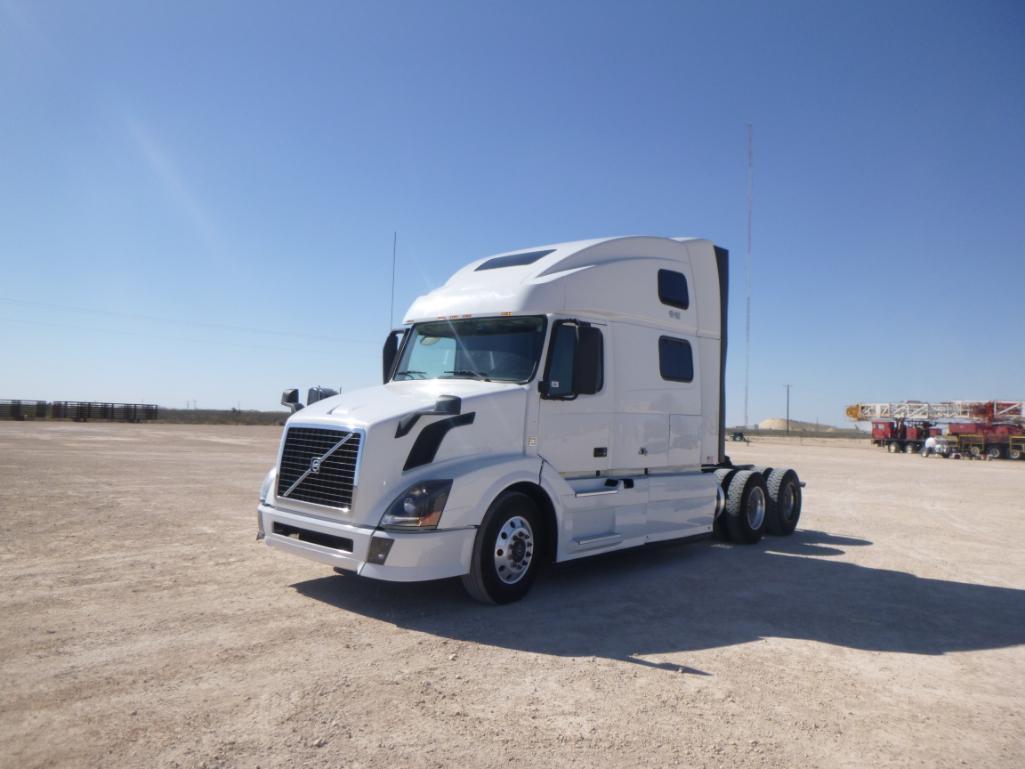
514,260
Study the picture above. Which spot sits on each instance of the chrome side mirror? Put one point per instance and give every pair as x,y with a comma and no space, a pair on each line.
318,393
290,399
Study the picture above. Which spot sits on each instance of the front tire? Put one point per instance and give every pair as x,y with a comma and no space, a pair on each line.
747,504
506,551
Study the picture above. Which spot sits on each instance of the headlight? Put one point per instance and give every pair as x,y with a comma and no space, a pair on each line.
418,507
268,484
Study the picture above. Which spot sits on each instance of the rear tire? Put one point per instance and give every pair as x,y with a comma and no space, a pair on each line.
507,550
747,504
784,490
994,452
722,477
893,447
910,448
1015,452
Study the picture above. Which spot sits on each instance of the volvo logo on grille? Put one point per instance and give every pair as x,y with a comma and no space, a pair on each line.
315,464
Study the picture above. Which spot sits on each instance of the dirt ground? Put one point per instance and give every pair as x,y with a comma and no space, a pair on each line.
143,626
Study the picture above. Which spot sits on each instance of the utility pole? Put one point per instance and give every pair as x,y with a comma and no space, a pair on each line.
747,347
788,407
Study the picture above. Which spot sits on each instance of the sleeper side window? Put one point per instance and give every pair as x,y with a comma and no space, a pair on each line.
672,289
675,359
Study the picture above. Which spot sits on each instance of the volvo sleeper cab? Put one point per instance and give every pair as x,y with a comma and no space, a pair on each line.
543,405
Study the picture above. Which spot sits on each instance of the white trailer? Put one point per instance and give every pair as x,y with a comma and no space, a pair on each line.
546,404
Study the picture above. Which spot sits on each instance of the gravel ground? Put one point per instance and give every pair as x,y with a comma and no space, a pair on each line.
144,627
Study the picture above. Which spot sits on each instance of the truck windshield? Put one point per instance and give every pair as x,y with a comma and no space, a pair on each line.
491,349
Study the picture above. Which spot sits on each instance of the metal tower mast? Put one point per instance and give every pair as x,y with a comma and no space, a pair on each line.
747,348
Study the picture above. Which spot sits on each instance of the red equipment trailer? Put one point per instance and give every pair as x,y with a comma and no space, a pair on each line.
992,440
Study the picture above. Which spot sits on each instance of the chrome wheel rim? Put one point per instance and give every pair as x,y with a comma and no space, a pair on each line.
514,550
786,502
756,508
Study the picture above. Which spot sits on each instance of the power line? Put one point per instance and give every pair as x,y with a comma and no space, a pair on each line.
84,331
155,319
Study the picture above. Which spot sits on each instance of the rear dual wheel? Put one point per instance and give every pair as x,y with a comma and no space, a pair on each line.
758,503
747,504
784,490
722,478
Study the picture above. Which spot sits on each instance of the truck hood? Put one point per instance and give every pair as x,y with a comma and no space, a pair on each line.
370,405
491,423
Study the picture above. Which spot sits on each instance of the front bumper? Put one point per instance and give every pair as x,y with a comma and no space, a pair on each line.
414,556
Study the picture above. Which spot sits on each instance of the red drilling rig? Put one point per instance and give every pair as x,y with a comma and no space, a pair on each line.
994,429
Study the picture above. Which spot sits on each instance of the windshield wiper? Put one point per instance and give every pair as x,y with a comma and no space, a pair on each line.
464,372
409,372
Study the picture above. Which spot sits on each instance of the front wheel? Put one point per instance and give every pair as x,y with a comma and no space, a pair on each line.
994,452
506,551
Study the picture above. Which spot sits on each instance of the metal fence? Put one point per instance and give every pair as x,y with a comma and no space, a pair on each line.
78,411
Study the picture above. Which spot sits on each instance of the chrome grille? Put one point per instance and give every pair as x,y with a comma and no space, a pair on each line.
331,478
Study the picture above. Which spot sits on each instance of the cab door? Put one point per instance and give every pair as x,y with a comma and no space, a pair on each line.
577,410
576,404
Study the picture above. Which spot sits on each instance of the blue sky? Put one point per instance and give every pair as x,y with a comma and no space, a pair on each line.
197,200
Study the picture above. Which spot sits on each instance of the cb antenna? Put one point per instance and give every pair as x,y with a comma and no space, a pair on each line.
391,307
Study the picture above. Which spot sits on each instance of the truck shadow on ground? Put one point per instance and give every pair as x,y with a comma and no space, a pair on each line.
684,597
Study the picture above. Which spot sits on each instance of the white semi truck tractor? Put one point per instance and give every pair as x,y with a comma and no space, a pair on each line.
542,405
